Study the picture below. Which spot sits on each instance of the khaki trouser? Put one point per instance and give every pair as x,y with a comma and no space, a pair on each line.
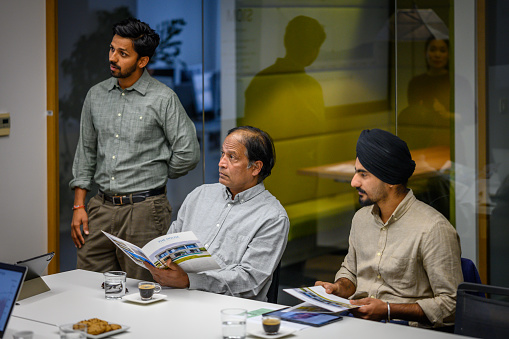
137,223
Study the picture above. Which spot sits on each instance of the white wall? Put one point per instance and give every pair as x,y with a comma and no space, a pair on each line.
23,178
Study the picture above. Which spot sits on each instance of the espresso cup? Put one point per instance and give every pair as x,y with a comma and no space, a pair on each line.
271,324
147,289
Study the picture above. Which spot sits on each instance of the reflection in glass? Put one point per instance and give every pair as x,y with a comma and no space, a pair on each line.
425,120
428,109
287,102
283,91
429,98
313,77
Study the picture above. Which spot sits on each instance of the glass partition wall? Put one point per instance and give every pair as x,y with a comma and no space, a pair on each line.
423,95
313,75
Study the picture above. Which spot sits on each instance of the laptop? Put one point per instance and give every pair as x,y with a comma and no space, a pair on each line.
36,266
11,280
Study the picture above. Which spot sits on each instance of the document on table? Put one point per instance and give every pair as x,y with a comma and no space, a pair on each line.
306,307
316,295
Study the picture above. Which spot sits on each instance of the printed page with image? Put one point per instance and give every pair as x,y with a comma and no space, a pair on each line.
316,295
182,248
306,307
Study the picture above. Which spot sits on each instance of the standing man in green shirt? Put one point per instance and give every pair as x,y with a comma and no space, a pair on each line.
134,135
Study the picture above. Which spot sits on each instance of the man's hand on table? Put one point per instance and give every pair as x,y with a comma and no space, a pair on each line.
172,276
370,309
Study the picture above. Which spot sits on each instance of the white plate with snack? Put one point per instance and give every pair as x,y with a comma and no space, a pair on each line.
136,298
103,334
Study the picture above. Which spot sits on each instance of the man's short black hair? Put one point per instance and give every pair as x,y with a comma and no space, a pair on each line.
259,147
145,39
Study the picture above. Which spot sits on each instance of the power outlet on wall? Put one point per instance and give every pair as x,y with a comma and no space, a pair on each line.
5,124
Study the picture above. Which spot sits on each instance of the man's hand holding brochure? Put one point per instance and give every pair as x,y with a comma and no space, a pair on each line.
316,295
184,249
318,309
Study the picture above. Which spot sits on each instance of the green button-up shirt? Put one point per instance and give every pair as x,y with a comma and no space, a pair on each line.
133,139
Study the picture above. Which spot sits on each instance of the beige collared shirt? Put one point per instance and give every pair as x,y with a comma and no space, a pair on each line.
415,257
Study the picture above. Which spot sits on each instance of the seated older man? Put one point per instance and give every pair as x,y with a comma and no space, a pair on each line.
241,224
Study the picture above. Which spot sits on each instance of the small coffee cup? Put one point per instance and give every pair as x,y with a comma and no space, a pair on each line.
271,324
147,289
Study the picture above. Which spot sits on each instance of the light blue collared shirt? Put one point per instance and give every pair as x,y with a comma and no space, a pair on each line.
247,236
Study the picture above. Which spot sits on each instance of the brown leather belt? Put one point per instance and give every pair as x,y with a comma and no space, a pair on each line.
124,199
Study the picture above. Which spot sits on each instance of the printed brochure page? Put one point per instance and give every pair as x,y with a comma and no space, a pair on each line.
183,249
316,295
306,307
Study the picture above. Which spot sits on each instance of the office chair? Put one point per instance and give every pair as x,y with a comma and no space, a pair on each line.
482,317
274,286
470,274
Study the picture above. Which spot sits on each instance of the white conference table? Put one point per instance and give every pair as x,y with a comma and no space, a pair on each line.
77,295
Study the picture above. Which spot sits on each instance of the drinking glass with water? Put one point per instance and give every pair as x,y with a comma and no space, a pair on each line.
114,284
234,323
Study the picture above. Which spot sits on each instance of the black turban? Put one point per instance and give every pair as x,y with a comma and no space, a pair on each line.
385,155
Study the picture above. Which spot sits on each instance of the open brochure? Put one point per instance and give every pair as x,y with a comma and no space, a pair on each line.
306,307
316,295
183,249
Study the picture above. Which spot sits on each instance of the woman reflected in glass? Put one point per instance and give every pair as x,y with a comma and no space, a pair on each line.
426,121
432,90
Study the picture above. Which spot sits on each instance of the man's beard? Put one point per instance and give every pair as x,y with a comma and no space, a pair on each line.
122,75
366,201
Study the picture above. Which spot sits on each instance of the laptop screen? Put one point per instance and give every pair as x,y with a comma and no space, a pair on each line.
11,280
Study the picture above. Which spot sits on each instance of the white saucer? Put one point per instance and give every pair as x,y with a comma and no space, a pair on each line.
136,298
283,332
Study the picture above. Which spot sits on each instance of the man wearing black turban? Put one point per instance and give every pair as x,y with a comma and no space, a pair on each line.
403,260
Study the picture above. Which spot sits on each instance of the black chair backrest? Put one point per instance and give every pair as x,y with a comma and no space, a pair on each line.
470,274
482,317
274,286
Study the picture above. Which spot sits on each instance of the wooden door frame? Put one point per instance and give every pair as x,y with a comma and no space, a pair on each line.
53,196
